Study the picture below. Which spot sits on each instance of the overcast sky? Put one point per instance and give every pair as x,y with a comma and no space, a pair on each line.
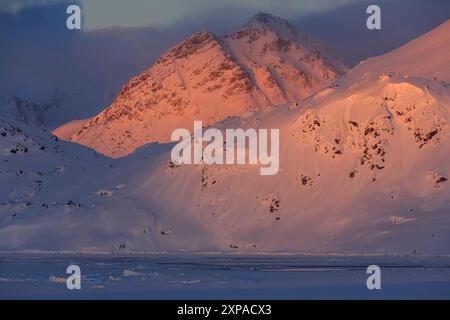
160,14
38,55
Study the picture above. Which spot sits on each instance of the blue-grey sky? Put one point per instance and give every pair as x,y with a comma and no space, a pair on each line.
160,14
38,55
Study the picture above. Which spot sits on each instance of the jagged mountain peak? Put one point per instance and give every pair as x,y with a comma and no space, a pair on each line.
263,23
210,78
268,20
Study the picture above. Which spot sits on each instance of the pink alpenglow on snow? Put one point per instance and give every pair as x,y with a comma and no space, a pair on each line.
209,78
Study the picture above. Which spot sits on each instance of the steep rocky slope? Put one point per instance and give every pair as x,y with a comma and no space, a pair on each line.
209,78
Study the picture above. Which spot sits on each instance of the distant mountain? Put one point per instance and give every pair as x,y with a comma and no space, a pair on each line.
26,112
209,78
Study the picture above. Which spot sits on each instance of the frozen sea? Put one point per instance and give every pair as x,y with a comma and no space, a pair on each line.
217,276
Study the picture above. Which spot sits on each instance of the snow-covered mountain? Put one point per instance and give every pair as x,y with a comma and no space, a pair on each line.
363,168
206,77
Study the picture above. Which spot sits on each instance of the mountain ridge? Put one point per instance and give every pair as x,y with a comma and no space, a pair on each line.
413,58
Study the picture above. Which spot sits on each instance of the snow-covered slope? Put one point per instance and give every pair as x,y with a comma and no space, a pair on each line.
56,195
209,78
53,194
69,129
427,56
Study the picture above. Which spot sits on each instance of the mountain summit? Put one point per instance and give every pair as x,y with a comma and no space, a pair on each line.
267,20
209,78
